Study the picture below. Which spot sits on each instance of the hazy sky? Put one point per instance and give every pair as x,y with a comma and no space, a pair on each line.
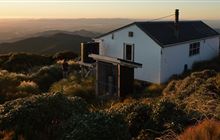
143,9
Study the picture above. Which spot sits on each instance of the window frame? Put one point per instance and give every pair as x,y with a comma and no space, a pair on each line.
130,34
194,49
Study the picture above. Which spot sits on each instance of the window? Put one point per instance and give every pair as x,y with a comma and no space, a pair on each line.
113,36
129,52
185,68
194,48
130,34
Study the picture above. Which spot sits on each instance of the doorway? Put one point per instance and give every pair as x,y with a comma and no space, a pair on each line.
129,52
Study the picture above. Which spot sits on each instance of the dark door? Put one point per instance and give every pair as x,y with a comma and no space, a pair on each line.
129,52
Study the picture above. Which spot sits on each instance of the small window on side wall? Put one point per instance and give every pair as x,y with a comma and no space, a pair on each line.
113,36
130,34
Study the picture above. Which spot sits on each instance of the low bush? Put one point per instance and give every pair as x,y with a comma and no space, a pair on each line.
4,57
210,64
65,55
8,86
206,130
10,135
168,115
138,116
75,86
143,135
40,116
23,62
29,87
153,90
46,76
16,85
96,126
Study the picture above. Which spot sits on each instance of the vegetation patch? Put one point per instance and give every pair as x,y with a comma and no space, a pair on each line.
206,130
198,92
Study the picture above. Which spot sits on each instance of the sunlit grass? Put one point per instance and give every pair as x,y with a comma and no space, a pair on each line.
206,130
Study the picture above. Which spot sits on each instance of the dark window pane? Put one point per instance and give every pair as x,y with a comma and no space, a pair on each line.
128,52
194,48
130,34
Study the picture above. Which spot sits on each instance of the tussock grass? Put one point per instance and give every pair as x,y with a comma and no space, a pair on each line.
198,92
206,130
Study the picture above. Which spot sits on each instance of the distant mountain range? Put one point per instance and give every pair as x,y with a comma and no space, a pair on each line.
52,41
48,43
82,32
17,29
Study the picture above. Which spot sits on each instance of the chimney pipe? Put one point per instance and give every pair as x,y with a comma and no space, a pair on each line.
176,16
176,23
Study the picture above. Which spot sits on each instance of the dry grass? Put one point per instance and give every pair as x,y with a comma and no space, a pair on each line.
70,62
9,135
156,88
207,130
25,84
198,92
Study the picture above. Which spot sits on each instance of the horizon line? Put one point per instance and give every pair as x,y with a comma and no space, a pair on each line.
108,1
89,18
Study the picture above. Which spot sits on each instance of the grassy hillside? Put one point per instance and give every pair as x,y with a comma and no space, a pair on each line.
46,44
43,105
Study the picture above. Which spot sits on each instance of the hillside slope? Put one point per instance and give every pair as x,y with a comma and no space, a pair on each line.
199,92
82,32
46,44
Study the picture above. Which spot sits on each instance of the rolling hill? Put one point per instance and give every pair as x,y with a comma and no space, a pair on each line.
82,32
46,44
17,29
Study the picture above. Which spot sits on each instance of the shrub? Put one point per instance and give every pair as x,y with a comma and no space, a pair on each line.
143,135
40,116
28,87
65,55
3,58
75,86
23,62
167,115
136,115
153,90
96,126
46,76
206,130
8,85
210,64
218,112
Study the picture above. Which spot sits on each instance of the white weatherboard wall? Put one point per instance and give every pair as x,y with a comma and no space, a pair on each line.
146,51
175,57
